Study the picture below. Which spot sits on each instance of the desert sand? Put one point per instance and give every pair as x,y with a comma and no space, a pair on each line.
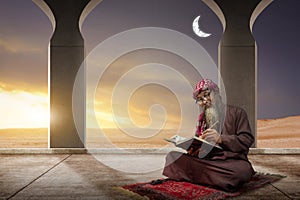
271,133
279,133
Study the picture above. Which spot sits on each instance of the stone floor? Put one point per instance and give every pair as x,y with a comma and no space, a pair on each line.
87,176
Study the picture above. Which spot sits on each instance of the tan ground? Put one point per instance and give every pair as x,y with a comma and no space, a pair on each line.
279,133
272,133
20,138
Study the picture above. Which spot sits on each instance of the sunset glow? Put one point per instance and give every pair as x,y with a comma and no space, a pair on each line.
22,109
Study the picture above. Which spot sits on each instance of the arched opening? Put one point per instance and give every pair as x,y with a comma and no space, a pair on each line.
24,38
278,82
112,17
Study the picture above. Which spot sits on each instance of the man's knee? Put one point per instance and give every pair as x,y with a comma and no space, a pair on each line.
242,174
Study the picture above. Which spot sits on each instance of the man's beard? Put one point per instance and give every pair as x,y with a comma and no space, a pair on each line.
211,116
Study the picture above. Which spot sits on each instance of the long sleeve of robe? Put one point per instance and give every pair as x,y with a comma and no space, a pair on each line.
227,169
236,134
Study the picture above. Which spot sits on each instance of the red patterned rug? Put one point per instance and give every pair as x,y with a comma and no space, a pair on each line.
170,189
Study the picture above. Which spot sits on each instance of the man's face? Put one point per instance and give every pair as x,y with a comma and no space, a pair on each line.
205,99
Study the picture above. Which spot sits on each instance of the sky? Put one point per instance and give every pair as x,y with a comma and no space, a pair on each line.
25,33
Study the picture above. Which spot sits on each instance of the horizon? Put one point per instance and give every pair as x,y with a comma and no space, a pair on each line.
116,128
270,134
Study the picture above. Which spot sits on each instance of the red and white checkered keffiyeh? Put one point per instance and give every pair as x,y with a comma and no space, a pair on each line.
205,84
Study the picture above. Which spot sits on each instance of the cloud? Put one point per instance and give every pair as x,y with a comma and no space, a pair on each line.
23,65
6,87
15,46
151,104
21,88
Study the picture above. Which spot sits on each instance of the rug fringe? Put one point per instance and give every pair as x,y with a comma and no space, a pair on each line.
269,174
128,193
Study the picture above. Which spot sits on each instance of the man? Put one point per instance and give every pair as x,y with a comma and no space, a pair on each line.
227,169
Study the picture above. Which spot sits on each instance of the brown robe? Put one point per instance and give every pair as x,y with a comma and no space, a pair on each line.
227,169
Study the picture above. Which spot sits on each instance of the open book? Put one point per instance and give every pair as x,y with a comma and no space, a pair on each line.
195,142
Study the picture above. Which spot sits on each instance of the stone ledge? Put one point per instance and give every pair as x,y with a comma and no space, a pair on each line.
12,151
284,151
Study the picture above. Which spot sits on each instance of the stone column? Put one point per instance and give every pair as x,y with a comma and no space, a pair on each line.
237,52
66,57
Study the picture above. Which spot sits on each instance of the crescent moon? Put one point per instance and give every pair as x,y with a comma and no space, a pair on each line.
197,30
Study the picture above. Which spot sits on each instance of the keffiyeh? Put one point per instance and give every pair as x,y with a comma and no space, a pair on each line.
205,84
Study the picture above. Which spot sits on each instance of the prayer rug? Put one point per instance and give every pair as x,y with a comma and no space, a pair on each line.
170,189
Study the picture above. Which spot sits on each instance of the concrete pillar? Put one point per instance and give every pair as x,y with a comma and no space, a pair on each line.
237,52
66,57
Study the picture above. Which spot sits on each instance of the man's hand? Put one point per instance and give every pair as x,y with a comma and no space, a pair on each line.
212,136
193,152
